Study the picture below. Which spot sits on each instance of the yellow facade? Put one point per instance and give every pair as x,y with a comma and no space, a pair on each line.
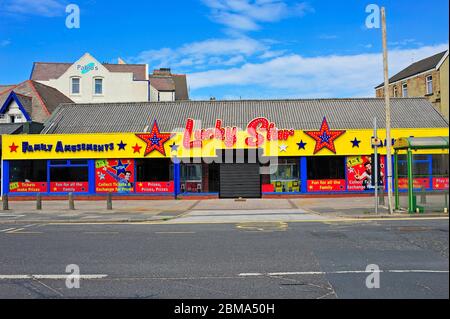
76,146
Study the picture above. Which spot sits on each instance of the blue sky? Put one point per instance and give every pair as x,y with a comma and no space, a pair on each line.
230,49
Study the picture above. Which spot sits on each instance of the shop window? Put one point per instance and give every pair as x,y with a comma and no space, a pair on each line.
66,174
59,162
66,178
191,178
78,162
326,174
440,165
286,177
326,167
421,170
154,176
150,170
28,171
28,176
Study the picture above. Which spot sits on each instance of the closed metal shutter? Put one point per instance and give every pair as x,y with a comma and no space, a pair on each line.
240,180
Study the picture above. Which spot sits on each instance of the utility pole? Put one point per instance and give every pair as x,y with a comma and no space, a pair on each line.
388,110
375,164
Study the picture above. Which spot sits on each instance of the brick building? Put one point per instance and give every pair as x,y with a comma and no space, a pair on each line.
425,78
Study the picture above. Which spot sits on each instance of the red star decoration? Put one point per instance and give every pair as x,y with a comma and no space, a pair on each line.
13,148
155,140
137,148
325,137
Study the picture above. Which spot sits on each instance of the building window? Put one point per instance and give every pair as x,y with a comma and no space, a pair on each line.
98,86
75,85
429,82
12,119
395,91
405,90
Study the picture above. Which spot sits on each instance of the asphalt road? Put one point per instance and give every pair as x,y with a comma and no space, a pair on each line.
250,260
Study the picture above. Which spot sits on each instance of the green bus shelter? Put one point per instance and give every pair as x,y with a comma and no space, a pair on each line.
434,197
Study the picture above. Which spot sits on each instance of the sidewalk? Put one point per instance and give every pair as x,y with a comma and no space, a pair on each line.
212,210
95,211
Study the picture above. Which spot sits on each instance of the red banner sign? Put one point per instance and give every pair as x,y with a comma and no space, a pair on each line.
114,175
28,187
69,187
154,187
440,183
326,185
418,183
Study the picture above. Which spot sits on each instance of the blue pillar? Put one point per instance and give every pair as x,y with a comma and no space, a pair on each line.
5,177
303,174
346,173
176,177
91,174
430,171
48,176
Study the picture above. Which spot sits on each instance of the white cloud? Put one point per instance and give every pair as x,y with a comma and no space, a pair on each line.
246,15
208,53
321,76
45,8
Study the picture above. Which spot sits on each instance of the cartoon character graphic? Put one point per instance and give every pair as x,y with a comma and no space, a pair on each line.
115,176
367,176
124,183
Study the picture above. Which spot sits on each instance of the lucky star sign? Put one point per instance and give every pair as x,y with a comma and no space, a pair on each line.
325,137
155,140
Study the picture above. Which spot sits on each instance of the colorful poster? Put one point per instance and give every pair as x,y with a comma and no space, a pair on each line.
360,172
418,183
440,183
326,185
114,175
69,187
154,187
28,187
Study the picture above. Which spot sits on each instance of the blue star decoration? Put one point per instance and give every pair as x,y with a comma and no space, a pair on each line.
301,145
355,143
174,147
121,145
120,168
